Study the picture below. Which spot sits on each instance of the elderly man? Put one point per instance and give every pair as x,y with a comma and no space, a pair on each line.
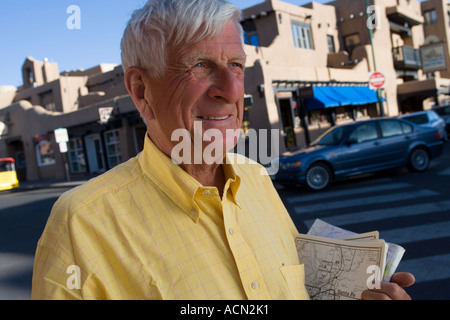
156,228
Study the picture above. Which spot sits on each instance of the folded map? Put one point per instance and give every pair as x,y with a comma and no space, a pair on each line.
341,264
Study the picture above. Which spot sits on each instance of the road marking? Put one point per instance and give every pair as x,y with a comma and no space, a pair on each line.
350,192
416,233
381,214
302,209
445,172
430,268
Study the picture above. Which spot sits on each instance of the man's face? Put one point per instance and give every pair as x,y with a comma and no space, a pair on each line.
203,86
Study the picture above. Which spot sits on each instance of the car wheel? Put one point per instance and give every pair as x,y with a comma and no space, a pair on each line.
419,160
318,176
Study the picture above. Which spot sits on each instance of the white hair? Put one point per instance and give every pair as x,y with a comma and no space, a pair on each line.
163,24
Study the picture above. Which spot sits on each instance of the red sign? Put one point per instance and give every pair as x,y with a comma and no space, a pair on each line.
377,80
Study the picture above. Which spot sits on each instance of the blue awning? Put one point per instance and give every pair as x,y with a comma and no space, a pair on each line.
340,96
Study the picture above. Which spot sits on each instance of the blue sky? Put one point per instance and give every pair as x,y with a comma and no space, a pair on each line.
37,28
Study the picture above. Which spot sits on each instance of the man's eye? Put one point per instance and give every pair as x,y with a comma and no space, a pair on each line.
200,65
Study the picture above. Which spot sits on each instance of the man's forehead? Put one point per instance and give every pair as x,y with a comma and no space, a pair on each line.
210,49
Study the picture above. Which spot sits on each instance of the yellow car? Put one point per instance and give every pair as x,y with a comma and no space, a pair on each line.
8,176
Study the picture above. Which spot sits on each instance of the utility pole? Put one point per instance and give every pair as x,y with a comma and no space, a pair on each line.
371,26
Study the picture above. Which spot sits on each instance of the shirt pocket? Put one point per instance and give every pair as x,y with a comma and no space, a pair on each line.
294,276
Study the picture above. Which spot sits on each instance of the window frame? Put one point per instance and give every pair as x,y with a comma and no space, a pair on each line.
115,156
39,155
302,35
430,17
77,151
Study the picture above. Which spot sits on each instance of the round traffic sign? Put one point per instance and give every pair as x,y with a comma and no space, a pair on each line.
377,80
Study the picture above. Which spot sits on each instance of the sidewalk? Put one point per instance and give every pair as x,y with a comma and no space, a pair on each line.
41,184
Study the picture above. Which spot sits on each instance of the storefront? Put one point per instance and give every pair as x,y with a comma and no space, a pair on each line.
308,108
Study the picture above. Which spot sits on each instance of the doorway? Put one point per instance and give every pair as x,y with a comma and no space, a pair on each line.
94,151
287,119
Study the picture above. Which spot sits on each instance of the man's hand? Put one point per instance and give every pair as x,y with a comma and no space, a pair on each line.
391,290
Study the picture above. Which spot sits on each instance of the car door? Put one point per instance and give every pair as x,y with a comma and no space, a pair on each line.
394,142
361,153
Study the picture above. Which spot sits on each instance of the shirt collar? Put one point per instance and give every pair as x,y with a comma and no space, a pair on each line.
176,183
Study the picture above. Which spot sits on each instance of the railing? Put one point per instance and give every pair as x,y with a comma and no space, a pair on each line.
406,57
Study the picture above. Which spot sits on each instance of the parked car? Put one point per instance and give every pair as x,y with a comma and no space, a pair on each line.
444,113
428,118
360,148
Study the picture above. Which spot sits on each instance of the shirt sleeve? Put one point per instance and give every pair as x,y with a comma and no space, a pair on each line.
58,274
54,260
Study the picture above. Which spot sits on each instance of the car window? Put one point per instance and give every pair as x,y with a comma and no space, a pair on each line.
406,127
365,132
433,116
5,166
418,119
333,136
390,128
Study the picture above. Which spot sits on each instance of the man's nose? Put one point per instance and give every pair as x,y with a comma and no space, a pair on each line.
227,86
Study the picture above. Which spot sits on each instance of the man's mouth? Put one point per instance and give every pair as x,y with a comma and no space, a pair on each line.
215,118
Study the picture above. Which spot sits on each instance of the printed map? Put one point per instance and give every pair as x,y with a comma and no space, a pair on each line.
337,269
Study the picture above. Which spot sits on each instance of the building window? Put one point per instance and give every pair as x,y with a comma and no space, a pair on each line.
29,76
251,39
331,48
250,34
76,156
112,142
45,154
301,32
430,17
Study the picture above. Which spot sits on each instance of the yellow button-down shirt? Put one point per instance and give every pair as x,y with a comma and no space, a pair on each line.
148,230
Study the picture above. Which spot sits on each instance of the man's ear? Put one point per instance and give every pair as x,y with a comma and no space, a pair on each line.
136,87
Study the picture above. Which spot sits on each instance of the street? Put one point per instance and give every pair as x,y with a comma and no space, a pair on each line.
412,210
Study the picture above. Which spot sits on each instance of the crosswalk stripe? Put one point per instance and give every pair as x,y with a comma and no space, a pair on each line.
436,267
350,192
381,214
302,209
445,172
416,233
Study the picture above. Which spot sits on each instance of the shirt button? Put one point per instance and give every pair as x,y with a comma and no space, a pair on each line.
231,231
255,285
193,211
206,193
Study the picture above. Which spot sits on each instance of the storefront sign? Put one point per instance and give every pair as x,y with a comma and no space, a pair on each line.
433,57
61,135
105,114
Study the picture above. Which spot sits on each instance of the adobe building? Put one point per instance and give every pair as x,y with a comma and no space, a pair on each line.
436,50
103,124
307,70
309,66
